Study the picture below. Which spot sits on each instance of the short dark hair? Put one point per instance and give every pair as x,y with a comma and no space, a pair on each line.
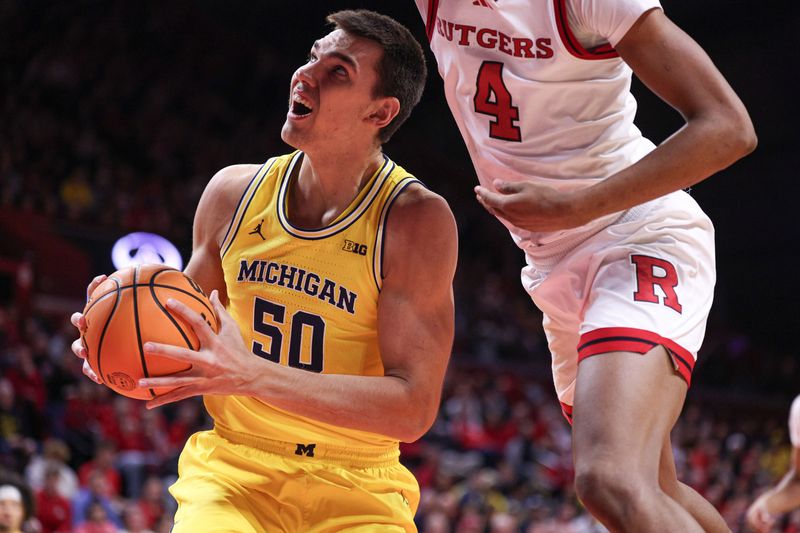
401,71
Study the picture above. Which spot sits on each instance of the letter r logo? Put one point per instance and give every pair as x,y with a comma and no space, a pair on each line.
650,272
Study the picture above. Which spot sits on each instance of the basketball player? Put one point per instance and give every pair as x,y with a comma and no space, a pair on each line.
619,259
336,264
785,496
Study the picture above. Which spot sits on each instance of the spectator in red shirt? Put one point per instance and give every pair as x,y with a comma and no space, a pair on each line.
103,462
53,510
96,520
151,504
27,380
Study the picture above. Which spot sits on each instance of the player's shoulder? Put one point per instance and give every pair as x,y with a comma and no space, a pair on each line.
232,179
420,205
420,220
221,196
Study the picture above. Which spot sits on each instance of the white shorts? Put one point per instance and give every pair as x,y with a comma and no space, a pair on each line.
645,280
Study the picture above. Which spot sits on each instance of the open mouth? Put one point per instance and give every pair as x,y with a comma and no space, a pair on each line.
300,106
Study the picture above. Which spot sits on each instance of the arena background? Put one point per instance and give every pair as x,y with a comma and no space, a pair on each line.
114,116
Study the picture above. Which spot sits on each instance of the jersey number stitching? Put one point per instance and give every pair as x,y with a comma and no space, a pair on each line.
300,321
492,98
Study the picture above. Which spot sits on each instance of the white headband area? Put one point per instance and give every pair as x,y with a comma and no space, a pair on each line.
10,493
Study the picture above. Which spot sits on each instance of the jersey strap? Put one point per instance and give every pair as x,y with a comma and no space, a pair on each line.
244,203
380,235
430,23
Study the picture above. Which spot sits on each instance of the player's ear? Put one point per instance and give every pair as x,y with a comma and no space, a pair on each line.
384,111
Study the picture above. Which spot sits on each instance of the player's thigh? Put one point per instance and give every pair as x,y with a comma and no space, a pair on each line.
206,506
363,500
625,405
227,487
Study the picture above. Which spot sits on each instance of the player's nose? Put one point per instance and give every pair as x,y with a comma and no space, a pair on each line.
307,74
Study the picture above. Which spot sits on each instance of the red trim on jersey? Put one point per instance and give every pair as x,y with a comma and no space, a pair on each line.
604,51
430,25
604,340
566,410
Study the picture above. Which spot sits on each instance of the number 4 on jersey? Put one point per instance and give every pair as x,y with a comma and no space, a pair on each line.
493,99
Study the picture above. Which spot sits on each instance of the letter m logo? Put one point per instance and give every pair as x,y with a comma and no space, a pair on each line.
305,449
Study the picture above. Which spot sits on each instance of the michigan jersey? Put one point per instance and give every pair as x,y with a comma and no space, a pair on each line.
531,102
306,298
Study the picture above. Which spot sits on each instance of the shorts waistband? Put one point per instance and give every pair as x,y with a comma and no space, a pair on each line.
369,457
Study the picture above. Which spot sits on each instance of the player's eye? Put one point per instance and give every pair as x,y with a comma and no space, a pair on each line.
340,70
311,58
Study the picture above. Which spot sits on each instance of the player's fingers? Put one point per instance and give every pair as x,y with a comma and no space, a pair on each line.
78,348
201,328
97,280
489,199
174,395
506,187
223,317
175,353
87,370
181,379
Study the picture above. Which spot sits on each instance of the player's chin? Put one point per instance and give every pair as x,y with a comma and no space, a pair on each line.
293,134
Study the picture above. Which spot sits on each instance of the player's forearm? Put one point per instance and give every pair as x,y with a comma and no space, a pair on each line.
385,405
785,496
701,148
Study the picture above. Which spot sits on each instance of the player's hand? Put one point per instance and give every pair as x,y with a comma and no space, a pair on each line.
223,365
758,518
79,322
533,207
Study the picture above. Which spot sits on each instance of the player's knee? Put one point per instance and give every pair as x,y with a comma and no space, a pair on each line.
608,491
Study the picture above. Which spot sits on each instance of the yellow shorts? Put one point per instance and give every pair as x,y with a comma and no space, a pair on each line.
241,484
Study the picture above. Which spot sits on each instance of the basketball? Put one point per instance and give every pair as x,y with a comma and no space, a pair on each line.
129,309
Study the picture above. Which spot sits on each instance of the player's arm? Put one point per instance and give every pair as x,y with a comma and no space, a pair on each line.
785,496
211,220
214,212
415,328
718,131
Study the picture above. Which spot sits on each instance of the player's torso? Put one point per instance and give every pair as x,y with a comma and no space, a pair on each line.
525,94
305,298
531,103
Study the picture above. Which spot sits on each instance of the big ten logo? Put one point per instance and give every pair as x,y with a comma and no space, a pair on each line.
354,247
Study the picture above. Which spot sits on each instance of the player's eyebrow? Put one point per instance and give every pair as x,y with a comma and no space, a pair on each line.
344,58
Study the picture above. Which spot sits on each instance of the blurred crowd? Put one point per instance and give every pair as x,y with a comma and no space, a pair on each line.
116,121
497,459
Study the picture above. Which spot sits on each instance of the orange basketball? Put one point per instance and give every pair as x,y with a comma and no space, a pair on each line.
129,309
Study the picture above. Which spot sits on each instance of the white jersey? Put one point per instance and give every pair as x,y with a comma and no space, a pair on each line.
531,102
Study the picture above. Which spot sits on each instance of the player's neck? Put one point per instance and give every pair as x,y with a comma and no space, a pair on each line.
326,185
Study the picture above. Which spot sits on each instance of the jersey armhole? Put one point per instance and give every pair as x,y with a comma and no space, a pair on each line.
380,235
430,21
572,44
241,207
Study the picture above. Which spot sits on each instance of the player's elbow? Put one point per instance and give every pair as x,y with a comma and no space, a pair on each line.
744,135
417,420
738,134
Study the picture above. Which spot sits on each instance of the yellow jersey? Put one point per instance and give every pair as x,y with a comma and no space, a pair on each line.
306,298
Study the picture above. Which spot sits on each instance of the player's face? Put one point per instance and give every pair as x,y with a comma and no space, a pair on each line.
331,96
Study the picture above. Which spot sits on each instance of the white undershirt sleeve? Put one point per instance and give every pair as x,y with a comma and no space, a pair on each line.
596,22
